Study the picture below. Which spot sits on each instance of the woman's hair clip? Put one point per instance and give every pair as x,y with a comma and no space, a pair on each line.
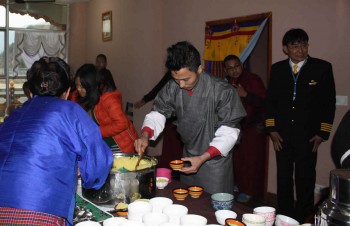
44,85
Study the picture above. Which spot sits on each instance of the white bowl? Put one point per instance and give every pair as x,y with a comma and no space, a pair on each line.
114,221
132,223
285,220
175,211
159,203
253,219
169,224
151,219
137,209
222,215
162,184
193,220
88,223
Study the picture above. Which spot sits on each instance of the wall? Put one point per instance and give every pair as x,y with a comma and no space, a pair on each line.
143,29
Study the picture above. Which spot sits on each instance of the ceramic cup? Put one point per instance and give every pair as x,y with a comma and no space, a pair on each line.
152,219
253,220
158,204
233,222
136,210
176,164
88,223
282,220
222,215
174,212
269,213
114,221
193,220
131,223
180,193
222,201
164,172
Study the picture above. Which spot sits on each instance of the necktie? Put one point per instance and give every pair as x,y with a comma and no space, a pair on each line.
295,66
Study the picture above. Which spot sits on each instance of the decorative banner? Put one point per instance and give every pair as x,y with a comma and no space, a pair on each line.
223,40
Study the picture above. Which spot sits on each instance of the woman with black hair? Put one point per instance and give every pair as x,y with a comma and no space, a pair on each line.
42,146
98,95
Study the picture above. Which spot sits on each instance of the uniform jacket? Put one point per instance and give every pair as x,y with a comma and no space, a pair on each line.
114,122
312,111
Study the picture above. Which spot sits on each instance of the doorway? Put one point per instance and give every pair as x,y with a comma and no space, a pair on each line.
259,62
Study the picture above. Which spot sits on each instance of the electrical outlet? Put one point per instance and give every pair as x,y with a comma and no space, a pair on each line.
318,188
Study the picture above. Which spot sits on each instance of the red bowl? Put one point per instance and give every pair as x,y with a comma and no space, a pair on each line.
195,191
176,164
180,193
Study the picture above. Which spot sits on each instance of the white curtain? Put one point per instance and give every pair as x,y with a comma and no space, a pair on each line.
31,45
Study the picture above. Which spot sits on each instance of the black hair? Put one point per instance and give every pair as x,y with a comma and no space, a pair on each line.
231,57
183,55
101,56
295,35
106,81
89,81
49,76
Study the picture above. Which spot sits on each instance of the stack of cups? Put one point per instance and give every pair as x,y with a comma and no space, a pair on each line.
269,213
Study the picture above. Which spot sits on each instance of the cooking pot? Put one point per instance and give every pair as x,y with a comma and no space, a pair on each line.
125,186
335,211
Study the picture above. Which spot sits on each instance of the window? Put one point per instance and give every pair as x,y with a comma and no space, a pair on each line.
22,25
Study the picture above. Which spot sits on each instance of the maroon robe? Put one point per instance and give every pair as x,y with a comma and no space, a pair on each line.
249,155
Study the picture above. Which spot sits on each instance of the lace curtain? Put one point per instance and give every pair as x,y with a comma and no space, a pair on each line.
31,45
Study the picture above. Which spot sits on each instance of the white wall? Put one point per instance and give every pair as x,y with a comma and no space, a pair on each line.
143,29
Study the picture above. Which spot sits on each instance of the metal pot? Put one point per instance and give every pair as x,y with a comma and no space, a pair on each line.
335,211
125,187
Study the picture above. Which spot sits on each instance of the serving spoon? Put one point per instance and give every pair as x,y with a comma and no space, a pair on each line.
138,161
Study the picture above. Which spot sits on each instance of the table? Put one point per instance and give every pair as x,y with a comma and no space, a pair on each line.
202,205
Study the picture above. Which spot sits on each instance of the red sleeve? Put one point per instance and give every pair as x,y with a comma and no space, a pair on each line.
148,130
213,151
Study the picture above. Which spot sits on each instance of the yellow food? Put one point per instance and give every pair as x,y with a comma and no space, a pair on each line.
129,163
121,206
161,180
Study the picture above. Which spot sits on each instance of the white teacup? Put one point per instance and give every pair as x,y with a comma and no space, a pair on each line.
159,203
222,215
193,220
253,220
136,210
282,220
132,223
88,223
268,212
153,219
114,221
175,211
169,224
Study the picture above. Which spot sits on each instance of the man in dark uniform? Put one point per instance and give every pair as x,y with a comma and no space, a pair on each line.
300,107
208,112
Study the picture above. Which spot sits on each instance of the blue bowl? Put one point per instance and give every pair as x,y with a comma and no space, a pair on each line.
222,201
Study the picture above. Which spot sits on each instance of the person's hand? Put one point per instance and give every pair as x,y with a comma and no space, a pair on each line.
196,163
317,141
139,103
276,140
142,143
240,90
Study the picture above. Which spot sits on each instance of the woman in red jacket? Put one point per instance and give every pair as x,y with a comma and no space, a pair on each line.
98,95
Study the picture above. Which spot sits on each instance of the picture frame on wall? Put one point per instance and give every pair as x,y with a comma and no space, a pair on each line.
107,26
